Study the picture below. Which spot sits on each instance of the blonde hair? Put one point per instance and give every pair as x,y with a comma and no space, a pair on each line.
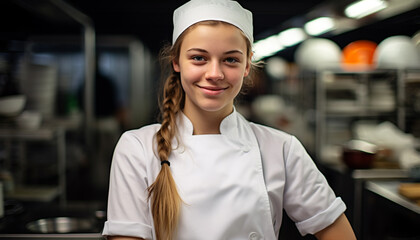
166,202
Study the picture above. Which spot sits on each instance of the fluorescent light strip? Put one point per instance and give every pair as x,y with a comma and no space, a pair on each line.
292,36
364,7
267,47
319,26
275,43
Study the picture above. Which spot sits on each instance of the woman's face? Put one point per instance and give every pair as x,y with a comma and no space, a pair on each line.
212,63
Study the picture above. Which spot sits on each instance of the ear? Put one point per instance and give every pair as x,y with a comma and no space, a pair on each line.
175,65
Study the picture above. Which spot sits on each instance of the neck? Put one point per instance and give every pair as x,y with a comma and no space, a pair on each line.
206,122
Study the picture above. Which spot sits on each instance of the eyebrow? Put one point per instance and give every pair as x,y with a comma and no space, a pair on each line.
205,51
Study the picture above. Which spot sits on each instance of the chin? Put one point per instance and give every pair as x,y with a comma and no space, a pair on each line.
215,107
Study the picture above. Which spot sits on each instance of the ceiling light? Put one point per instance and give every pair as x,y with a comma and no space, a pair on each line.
267,47
363,8
319,26
291,36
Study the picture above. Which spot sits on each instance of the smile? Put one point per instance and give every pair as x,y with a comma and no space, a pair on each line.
211,90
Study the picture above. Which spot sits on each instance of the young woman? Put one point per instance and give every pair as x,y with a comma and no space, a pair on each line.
205,172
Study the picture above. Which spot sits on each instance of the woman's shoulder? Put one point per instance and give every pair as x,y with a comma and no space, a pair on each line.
270,138
266,132
144,133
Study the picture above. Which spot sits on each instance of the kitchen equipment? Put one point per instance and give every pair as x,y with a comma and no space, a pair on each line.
268,108
382,96
397,52
61,225
38,83
318,53
12,105
29,120
358,154
358,55
277,68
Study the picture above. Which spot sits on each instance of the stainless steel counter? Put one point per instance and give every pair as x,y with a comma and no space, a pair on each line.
387,214
389,190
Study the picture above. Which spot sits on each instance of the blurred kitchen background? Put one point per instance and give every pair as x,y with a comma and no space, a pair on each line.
341,75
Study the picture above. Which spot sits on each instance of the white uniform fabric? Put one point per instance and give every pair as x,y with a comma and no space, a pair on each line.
234,185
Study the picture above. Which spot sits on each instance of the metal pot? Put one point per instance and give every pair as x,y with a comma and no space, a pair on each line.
60,225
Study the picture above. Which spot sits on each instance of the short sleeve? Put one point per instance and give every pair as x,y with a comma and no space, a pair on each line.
128,210
308,199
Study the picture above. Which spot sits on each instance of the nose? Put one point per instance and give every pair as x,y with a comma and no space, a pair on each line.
214,71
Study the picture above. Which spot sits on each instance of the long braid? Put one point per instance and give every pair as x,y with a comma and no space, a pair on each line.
166,201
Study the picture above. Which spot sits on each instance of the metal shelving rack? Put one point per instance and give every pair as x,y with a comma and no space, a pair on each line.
55,135
14,137
356,88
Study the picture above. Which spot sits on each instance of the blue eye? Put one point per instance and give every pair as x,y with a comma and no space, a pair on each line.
231,60
198,58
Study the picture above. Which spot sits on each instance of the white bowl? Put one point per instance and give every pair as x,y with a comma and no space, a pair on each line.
397,52
29,120
11,106
318,53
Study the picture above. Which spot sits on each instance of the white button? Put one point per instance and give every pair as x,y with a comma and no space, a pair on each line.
253,236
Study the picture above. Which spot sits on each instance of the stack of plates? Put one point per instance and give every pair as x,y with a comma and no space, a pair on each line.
38,83
382,97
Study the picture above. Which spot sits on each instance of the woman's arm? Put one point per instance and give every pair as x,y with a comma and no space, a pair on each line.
340,229
123,238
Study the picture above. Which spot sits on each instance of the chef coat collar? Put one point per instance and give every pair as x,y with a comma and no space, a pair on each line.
234,126
185,126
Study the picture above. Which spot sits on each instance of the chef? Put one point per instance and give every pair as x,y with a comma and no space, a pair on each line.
205,172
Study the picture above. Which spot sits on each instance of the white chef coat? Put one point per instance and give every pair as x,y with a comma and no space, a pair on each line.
234,185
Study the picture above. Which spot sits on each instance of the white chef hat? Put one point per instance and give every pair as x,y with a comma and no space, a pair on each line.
221,10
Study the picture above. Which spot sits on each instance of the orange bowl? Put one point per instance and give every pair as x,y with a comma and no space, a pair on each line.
359,55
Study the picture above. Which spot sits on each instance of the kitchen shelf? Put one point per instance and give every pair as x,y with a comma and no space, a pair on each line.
377,95
357,111
35,193
42,134
52,134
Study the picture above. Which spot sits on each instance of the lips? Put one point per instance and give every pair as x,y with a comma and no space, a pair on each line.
212,90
